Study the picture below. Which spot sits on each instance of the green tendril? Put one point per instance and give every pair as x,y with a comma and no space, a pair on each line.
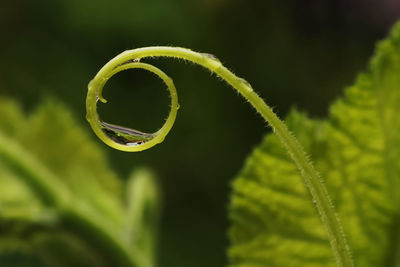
126,139
119,137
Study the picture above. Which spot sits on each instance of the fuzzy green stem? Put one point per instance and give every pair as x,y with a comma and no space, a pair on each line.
310,176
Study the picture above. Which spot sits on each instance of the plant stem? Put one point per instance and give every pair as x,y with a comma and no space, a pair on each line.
310,176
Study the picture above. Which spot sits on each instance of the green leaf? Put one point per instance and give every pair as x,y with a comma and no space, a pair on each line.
357,151
60,199
143,212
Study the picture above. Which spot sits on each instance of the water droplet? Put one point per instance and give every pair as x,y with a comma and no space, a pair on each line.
135,143
211,56
213,62
161,140
178,106
91,83
128,61
246,83
125,136
131,61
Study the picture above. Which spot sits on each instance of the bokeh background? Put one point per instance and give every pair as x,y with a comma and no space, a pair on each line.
294,53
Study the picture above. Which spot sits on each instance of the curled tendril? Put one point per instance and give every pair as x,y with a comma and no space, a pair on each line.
132,140
119,137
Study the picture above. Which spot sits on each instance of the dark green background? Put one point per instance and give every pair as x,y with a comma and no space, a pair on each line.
294,53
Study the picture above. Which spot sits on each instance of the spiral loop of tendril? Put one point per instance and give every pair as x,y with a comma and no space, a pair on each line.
120,137
126,139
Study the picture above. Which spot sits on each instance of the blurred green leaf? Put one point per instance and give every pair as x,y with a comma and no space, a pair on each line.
60,199
357,151
143,212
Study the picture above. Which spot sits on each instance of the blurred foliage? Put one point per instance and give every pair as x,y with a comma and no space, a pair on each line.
357,151
290,51
60,200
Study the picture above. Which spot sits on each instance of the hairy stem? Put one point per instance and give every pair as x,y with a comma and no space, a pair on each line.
318,191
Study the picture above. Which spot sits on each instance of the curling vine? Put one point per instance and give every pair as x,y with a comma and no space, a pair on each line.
126,139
